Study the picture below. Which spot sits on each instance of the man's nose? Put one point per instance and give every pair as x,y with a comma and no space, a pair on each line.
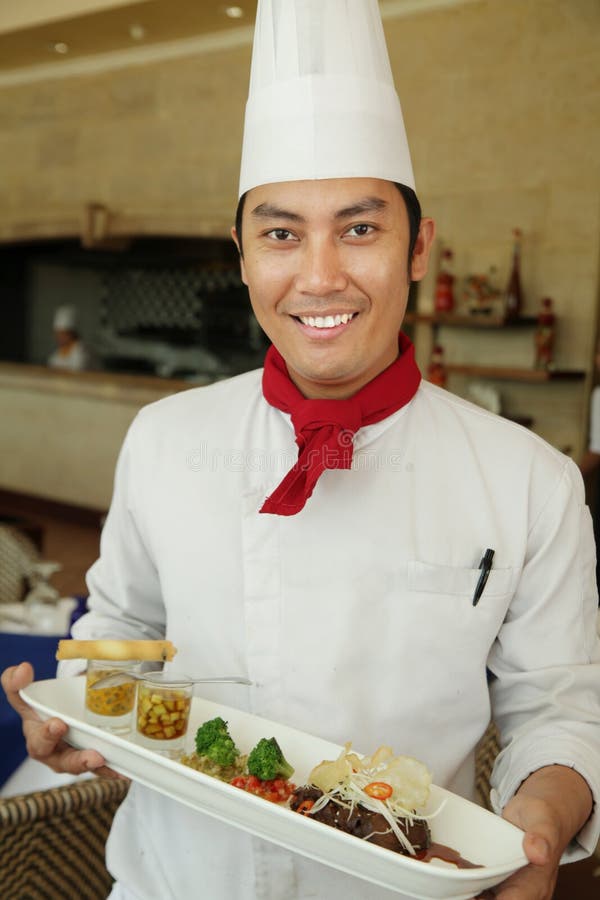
321,271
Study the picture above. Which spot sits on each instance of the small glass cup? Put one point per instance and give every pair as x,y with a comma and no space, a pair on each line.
163,713
110,707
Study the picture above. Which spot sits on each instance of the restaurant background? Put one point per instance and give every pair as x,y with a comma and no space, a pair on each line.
131,148
119,161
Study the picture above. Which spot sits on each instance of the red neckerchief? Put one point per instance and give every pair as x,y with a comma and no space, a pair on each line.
325,429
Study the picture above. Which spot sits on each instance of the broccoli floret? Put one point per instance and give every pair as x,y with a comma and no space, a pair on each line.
223,752
213,740
267,761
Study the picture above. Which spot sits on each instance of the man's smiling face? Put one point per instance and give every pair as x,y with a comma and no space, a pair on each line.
326,267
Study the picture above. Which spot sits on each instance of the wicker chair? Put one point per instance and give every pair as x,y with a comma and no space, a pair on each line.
52,842
485,754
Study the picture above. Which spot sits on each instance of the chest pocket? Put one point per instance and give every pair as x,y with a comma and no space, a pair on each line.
456,581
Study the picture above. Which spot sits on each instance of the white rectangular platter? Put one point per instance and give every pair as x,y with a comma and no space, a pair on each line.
476,834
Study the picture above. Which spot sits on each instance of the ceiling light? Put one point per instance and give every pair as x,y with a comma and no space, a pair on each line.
234,12
60,47
137,32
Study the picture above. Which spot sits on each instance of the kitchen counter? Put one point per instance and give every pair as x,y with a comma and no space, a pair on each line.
101,385
61,431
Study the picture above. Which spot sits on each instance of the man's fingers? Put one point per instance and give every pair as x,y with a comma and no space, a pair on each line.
45,742
542,840
76,762
64,758
43,738
530,883
537,849
14,679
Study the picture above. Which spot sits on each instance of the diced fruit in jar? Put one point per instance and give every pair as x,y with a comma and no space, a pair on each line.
162,715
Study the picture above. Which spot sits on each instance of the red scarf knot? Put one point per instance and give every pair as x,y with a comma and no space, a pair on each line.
325,432
325,429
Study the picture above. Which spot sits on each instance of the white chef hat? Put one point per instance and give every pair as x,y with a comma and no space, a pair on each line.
322,101
65,318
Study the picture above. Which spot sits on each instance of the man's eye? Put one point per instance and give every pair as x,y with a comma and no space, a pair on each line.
280,234
360,230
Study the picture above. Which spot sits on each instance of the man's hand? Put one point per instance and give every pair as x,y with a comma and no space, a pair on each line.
45,739
551,806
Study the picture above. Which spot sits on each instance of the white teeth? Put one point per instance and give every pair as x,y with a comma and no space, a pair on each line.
326,321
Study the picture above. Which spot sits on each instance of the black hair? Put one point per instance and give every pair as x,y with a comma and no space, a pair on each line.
413,208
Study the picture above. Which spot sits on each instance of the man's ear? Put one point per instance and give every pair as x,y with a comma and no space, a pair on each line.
420,257
234,235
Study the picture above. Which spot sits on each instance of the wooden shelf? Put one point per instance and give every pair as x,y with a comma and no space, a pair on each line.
456,320
506,373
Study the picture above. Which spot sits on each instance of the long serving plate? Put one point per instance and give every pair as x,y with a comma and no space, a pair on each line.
475,833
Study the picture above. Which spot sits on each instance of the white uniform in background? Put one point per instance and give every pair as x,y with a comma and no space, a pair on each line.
75,360
354,618
594,442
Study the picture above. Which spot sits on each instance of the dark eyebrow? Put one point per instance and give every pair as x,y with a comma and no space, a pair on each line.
368,204
270,211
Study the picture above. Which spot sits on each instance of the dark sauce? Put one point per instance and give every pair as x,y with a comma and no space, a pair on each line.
447,854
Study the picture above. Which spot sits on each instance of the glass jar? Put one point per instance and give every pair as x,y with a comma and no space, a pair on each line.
163,712
110,707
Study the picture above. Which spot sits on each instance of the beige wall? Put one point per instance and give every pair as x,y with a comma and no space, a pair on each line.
28,13
158,144
502,110
501,103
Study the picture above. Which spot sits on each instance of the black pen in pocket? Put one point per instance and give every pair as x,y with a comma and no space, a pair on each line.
485,567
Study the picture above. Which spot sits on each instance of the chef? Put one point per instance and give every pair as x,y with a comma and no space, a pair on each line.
70,350
320,525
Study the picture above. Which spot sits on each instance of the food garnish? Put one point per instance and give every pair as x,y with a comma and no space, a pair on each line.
375,798
107,648
276,790
110,701
214,741
379,790
162,713
266,761
305,807
263,772
394,787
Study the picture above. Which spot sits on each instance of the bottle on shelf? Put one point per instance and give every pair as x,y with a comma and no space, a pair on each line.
544,335
513,297
444,286
436,371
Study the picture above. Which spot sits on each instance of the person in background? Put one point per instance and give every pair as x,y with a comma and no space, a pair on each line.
348,587
70,352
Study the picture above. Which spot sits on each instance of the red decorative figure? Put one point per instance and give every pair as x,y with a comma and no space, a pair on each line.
444,287
513,298
436,371
544,335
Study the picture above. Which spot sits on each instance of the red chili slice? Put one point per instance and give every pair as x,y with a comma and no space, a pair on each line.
379,790
305,807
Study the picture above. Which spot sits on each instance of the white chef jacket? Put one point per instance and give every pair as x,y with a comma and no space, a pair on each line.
353,618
